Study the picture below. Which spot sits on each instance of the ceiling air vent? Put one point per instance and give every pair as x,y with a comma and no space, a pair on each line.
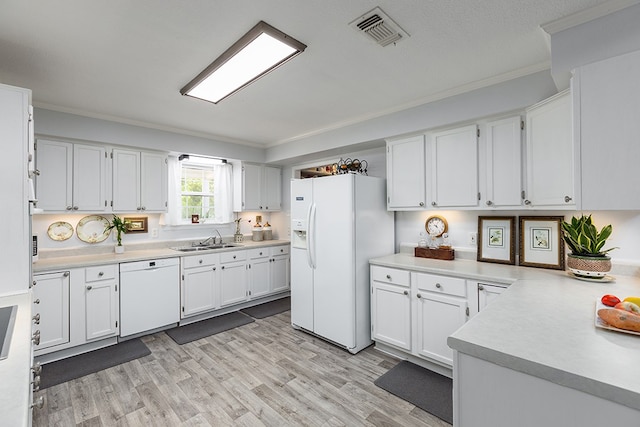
377,26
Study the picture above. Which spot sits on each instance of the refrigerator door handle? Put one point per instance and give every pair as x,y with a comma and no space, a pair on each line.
312,234
309,261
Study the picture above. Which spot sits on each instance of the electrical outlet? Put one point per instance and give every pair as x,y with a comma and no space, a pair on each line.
154,233
473,238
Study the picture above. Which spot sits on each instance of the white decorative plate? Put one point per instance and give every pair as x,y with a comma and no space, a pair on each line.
60,230
92,229
605,279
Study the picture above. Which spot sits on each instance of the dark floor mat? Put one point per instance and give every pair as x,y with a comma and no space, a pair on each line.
426,389
268,308
205,328
84,364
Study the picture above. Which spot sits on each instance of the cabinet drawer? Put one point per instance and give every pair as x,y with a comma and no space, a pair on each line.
279,250
258,253
233,256
200,260
100,272
441,284
390,275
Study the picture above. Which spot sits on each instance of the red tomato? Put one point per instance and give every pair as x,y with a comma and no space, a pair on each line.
610,300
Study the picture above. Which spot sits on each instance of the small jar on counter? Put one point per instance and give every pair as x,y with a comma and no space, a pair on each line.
257,234
267,231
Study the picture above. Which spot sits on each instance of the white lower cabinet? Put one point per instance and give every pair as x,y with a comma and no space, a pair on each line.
416,312
440,310
279,268
101,302
233,278
51,304
199,284
258,272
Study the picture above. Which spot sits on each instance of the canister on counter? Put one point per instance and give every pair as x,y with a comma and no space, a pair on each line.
257,234
267,231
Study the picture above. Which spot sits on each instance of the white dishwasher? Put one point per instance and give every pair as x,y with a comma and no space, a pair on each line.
149,295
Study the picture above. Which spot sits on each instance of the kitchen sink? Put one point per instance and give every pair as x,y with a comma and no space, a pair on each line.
204,248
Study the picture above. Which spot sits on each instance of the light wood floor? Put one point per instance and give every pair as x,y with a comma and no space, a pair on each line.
261,374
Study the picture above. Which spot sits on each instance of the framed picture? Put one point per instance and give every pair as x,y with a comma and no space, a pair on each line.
541,243
497,239
136,224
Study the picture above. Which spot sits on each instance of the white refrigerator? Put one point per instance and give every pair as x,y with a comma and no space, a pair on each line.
337,224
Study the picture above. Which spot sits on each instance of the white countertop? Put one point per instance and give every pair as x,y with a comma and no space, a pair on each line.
132,253
543,325
15,370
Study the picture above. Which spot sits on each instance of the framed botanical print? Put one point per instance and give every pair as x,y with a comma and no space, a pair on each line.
541,243
496,239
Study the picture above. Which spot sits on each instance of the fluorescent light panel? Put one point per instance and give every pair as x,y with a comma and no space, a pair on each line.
261,50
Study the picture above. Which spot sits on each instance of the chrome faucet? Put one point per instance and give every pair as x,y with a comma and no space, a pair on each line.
211,239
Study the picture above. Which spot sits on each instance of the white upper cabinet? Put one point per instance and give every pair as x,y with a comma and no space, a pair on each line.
551,154
406,174
257,188
139,181
607,125
454,167
503,163
72,176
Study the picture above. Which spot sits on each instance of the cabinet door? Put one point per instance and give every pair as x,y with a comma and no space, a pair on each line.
391,315
406,173
550,153
101,309
126,180
89,174
454,167
280,273
153,182
607,99
198,290
259,277
503,163
437,317
54,185
51,301
272,190
233,283
487,293
251,187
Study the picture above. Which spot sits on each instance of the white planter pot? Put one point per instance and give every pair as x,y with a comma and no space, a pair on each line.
119,249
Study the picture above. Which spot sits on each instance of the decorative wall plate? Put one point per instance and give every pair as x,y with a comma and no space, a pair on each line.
92,229
60,231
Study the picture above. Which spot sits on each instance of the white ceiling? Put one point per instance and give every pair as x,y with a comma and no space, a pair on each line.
127,60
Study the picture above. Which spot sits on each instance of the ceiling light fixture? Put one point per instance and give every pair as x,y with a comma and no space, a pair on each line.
261,50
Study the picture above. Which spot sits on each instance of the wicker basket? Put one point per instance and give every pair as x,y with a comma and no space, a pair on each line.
589,266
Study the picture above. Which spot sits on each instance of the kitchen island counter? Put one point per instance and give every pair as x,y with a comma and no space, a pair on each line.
543,326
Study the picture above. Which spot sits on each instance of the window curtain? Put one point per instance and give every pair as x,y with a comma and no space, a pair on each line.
223,193
174,208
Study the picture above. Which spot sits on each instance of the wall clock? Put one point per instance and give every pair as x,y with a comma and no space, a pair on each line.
436,226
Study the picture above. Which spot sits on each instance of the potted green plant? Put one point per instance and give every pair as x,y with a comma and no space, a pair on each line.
588,257
120,226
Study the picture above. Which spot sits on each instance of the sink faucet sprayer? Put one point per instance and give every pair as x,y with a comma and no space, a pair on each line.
206,241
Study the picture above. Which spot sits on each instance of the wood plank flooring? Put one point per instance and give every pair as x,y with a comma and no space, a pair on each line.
261,374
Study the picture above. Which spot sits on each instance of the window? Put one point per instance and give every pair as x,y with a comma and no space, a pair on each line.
196,190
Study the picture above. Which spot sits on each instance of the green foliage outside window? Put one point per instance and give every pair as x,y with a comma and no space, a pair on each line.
197,192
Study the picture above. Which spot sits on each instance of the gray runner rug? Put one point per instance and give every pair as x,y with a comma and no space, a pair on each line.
205,328
426,389
268,308
64,370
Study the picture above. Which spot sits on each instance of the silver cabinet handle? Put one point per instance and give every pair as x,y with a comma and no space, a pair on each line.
34,283
222,267
419,296
69,208
234,257
36,172
489,203
480,288
199,261
438,285
260,253
75,208
144,208
567,199
100,274
36,383
421,204
65,274
388,277
89,287
37,301
434,204
36,337
406,292
36,319
38,403
527,202
214,269
37,368
138,208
